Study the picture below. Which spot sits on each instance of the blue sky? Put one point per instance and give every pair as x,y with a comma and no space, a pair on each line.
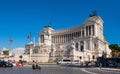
19,17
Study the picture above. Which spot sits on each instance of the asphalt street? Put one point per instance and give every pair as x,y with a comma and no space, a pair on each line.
55,69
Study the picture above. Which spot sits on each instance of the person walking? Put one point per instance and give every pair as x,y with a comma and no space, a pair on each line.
33,65
100,65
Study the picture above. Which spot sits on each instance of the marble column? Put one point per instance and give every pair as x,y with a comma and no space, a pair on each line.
55,39
93,30
70,36
62,38
58,38
79,46
66,38
84,31
40,39
88,30
81,33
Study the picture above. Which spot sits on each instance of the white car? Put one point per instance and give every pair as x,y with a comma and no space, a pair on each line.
64,61
76,62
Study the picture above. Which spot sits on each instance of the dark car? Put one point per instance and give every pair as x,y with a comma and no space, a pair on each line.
5,64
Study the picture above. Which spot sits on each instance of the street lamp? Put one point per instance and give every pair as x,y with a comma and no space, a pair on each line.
93,57
80,58
30,50
105,54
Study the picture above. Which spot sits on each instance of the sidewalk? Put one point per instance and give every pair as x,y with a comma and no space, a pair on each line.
103,68
43,63
111,69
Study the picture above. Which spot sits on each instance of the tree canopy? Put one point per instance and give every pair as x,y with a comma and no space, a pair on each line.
114,47
21,57
115,50
6,52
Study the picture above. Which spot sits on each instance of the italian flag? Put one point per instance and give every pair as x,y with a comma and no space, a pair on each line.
11,40
29,35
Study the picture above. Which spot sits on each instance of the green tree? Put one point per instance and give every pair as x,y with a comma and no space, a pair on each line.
21,57
115,50
6,52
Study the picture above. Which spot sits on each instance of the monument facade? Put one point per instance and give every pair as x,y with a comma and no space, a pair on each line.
85,42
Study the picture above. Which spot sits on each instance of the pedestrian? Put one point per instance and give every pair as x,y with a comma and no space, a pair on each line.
100,65
22,63
33,65
36,63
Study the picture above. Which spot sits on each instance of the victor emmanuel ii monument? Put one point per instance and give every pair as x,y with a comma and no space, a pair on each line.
85,42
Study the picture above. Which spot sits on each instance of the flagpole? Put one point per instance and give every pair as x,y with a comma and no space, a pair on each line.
29,36
30,49
10,41
9,46
34,40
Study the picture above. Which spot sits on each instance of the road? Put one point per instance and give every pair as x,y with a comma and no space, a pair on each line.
54,69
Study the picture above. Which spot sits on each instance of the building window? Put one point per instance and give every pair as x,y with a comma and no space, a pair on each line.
93,57
80,34
89,30
81,42
52,39
95,45
83,33
81,45
80,57
76,45
86,30
81,48
93,30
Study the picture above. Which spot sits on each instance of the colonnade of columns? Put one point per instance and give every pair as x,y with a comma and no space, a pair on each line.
41,38
83,32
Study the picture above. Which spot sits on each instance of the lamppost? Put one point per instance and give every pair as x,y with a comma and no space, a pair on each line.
80,59
93,57
30,51
83,56
105,54
93,48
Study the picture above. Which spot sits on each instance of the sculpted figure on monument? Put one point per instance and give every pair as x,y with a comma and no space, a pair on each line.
46,50
94,13
72,44
61,47
53,47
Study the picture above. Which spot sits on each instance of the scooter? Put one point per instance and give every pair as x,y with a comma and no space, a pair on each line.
36,66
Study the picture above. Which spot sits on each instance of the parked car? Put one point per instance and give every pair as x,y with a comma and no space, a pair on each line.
87,63
5,64
64,61
76,62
